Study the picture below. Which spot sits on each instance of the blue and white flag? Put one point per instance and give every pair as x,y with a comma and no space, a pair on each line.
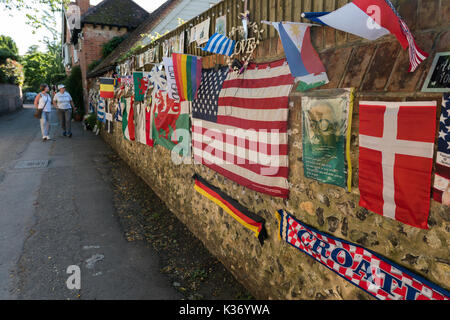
101,110
118,114
220,44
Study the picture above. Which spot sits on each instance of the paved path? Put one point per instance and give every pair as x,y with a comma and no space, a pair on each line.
62,215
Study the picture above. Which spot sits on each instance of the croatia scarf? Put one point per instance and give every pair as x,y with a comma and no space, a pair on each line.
364,268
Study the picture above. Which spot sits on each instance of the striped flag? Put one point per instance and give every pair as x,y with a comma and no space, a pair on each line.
107,87
246,218
371,19
128,119
218,43
240,125
188,72
101,109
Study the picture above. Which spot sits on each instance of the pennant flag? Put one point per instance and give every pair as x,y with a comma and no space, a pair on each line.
188,75
168,116
101,109
396,143
246,218
118,114
304,62
107,87
441,190
240,125
128,119
364,268
220,44
371,19
140,80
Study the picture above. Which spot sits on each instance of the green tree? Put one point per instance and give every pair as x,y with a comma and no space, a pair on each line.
8,49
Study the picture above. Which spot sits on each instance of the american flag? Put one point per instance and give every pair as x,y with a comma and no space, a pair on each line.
441,190
240,125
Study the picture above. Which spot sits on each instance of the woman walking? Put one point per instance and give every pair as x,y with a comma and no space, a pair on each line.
43,103
63,101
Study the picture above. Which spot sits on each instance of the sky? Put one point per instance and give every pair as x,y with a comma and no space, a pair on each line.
13,24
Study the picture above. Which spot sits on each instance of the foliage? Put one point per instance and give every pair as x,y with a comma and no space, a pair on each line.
43,67
8,49
93,64
74,86
90,121
130,52
112,44
11,72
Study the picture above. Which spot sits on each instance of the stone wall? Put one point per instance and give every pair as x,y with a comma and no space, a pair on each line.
10,98
378,71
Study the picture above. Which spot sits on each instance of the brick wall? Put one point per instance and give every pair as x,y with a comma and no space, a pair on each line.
378,71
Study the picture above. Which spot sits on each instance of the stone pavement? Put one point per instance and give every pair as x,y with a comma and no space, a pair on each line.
56,210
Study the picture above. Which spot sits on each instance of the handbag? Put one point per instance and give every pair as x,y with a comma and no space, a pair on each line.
38,112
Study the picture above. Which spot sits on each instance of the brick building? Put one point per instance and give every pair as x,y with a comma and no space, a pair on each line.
86,28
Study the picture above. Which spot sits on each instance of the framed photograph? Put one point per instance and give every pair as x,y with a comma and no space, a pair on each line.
438,78
221,25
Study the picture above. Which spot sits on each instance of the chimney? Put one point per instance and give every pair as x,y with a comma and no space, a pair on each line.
84,5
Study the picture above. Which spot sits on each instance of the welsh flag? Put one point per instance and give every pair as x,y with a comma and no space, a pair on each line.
168,116
128,119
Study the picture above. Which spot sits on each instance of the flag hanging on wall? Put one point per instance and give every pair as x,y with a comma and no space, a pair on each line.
441,189
246,218
371,19
188,75
158,79
128,119
101,109
140,80
304,62
118,114
326,137
107,87
168,116
218,43
139,120
240,125
396,144
364,268
108,117
172,89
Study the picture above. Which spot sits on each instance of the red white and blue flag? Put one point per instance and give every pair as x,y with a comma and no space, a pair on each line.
240,125
371,19
303,60
364,268
396,145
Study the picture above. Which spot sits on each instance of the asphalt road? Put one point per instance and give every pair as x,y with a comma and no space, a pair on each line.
62,215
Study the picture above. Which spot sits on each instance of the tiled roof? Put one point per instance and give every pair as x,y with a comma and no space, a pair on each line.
119,13
132,39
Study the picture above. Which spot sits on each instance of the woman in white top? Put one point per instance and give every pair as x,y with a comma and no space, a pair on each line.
44,101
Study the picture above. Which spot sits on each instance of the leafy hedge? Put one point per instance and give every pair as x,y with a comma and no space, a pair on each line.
12,72
74,86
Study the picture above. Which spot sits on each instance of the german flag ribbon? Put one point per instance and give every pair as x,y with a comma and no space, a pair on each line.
246,218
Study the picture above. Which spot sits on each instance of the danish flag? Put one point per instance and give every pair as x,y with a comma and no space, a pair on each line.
396,145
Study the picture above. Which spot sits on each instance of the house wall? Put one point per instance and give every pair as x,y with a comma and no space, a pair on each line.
10,98
378,71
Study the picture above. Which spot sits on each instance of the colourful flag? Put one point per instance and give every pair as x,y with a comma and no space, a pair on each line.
246,218
128,119
362,267
304,62
140,80
441,190
396,144
168,116
158,79
107,87
139,120
371,19
118,114
240,125
220,44
188,75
